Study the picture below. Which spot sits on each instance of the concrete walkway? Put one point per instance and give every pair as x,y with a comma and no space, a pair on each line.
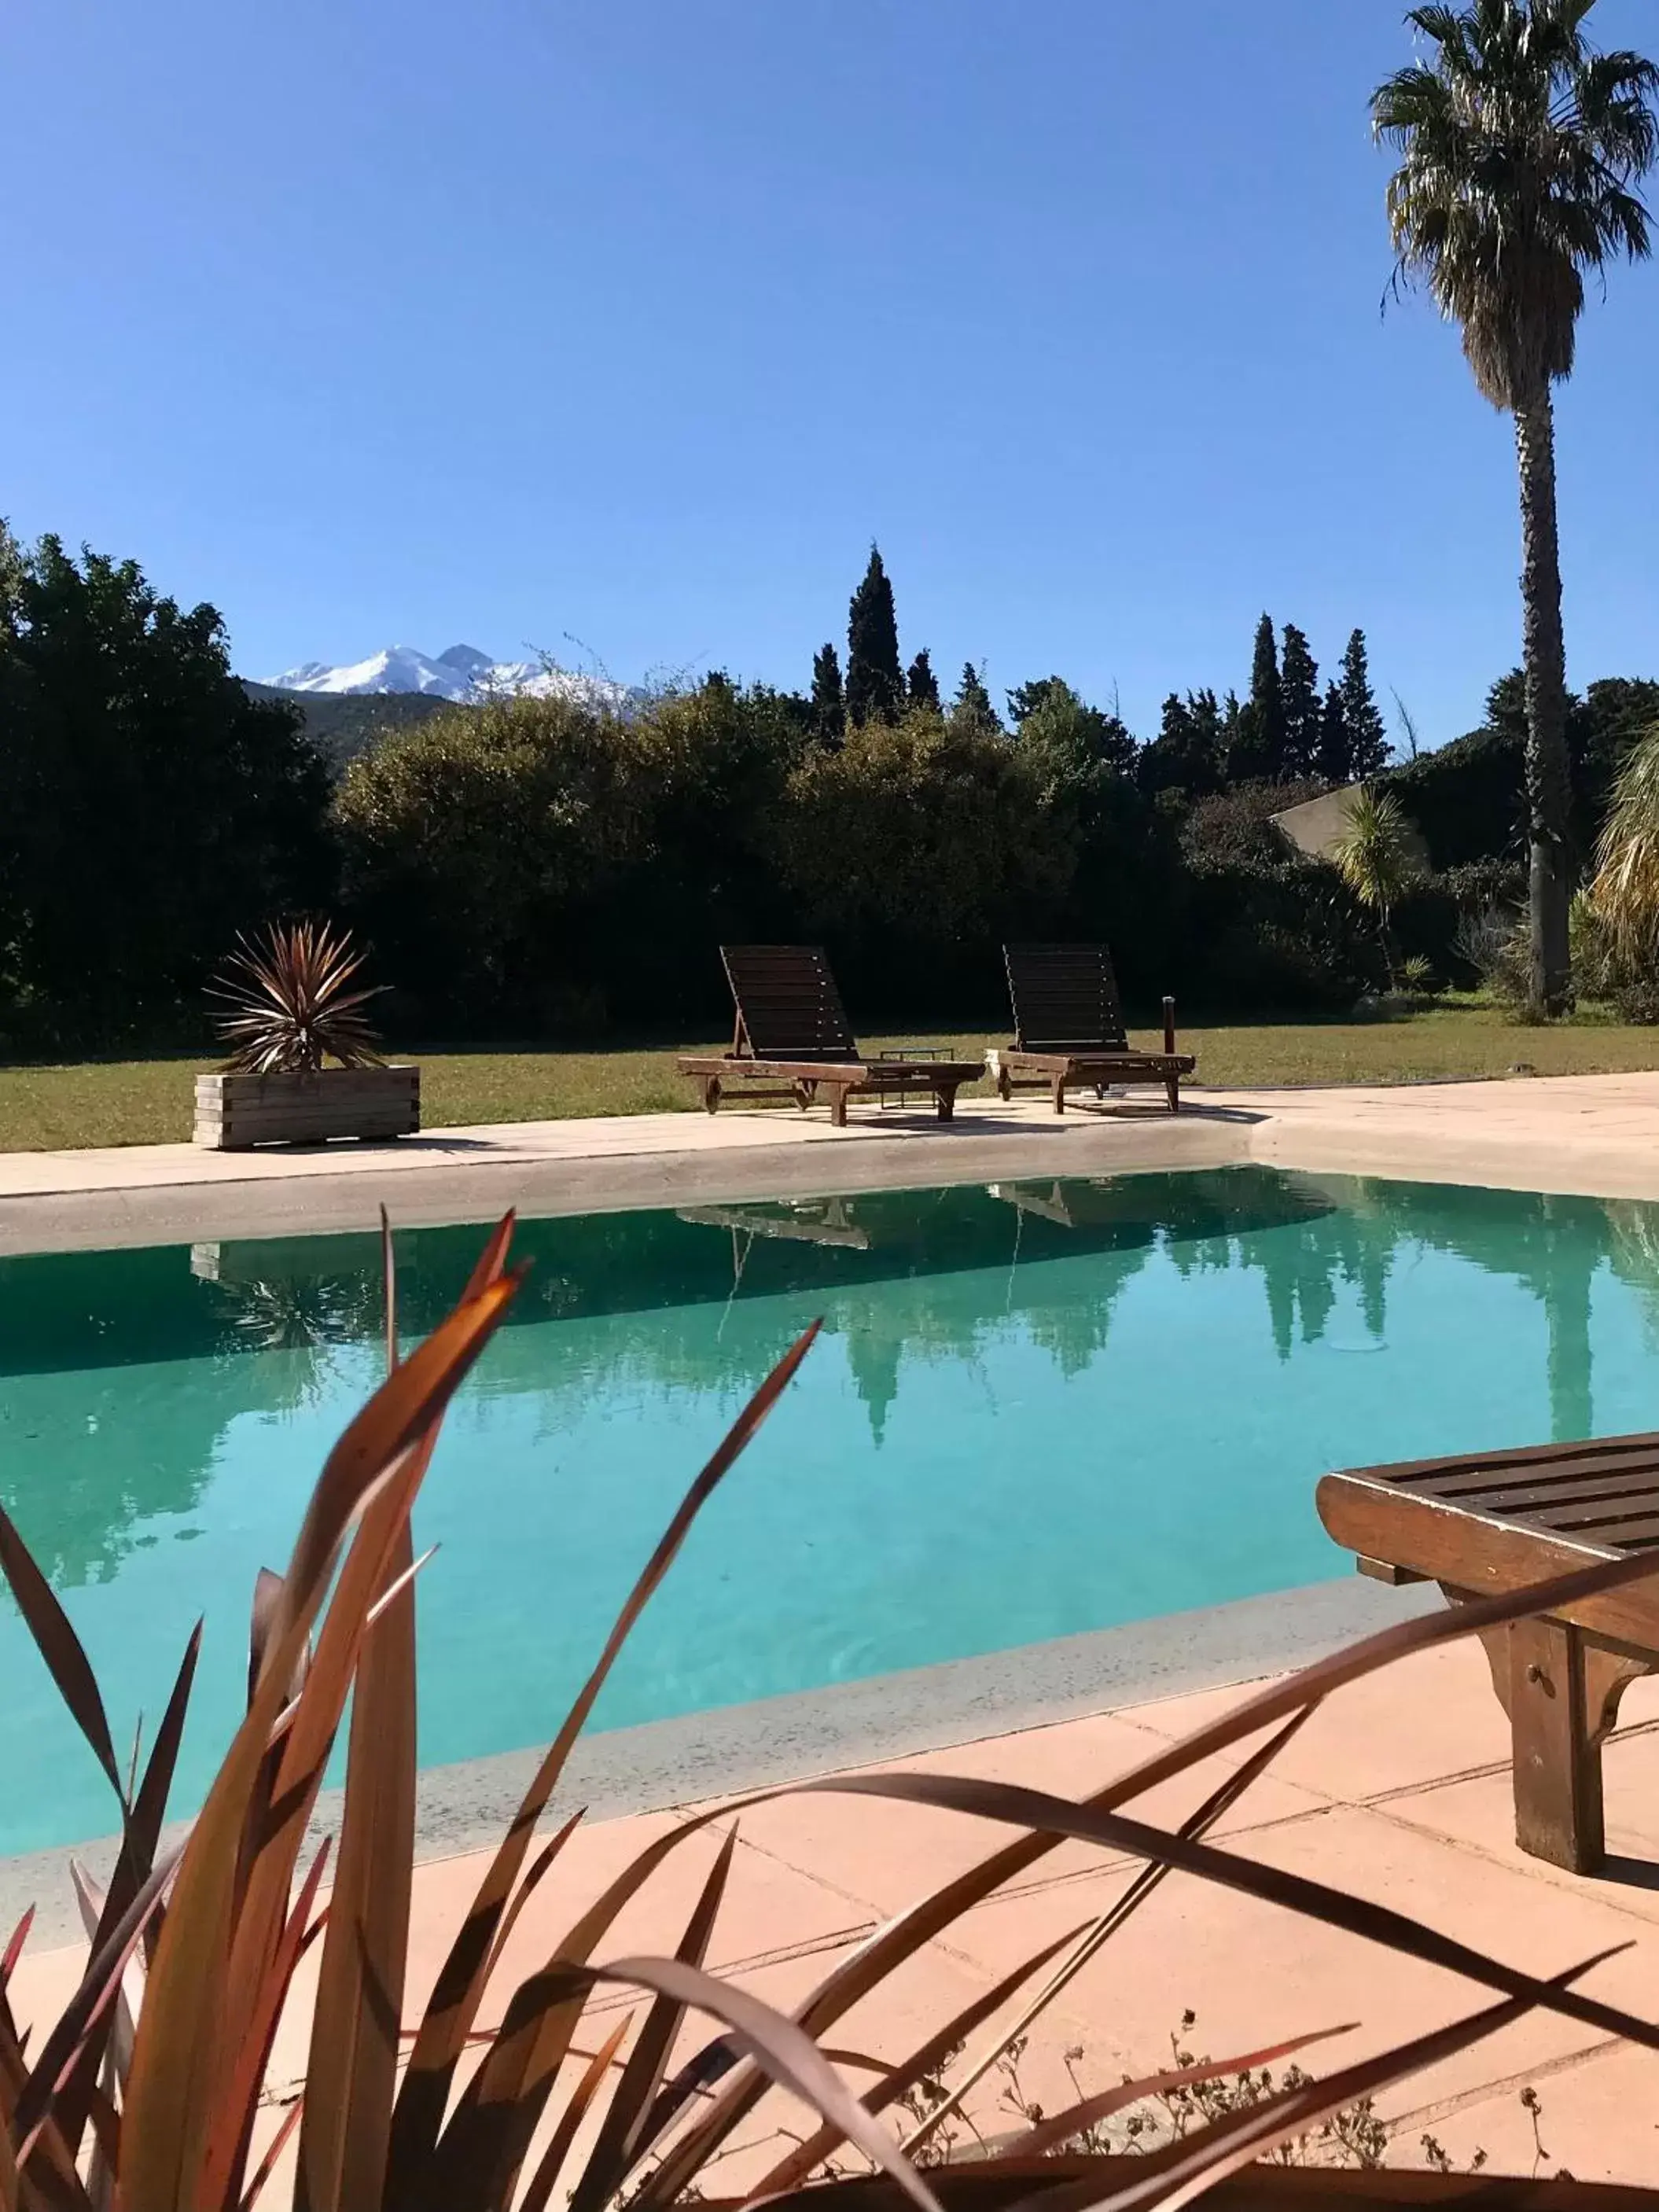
1397,1791
1594,1135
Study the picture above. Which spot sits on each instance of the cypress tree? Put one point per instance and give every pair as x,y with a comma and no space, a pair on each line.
1256,753
1335,752
875,684
1368,740
972,704
829,706
1265,693
920,683
1298,697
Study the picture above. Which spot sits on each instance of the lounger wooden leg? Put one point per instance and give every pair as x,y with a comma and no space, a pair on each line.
711,1094
1059,1094
1494,1642
1005,1085
1172,1086
1607,1675
838,1105
947,1096
1557,1754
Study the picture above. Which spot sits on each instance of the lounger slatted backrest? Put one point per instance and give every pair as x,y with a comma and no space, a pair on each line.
789,1007
1065,999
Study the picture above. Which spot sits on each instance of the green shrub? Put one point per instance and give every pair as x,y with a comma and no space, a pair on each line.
542,864
1267,926
917,845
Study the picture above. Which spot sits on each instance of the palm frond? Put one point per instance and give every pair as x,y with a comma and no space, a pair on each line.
1625,894
1521,152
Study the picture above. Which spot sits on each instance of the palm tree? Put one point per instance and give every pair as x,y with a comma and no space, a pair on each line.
1521,147
1375,855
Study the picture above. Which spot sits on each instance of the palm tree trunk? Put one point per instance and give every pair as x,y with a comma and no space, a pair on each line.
1548,784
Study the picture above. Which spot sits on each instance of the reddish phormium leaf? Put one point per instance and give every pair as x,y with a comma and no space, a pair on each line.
229,2143
1199,1822
19,1937
539,2192
352,2069
61,1648
267,2165
1035,1809
98,1989
289,1006
614,2151
898,2080
415,2177
232,1901
775,2042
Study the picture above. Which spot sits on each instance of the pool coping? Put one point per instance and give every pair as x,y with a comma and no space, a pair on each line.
629,1165
1587,1136
696,1757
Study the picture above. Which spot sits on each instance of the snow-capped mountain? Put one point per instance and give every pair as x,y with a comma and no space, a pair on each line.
462,673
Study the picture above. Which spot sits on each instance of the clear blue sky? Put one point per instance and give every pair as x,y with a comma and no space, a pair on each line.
635,320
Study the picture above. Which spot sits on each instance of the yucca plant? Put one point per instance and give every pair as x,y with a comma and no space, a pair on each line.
146,2098
290,1009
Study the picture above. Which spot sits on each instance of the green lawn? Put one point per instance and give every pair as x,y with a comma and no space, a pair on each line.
149,1100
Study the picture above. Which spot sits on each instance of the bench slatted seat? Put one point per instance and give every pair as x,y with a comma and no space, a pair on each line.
1068,1028
1490,1522
791,1034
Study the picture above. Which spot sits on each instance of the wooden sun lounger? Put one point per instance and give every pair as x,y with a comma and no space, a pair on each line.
1068,1028
792,1034
1492,1521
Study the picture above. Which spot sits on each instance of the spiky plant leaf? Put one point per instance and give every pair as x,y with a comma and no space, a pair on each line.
289,1006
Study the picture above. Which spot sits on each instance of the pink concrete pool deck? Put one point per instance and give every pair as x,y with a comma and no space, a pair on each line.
1398,1790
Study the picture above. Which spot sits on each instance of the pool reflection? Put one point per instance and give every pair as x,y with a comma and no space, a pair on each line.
266,1324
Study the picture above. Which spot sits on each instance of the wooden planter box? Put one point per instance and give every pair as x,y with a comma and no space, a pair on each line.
235,1111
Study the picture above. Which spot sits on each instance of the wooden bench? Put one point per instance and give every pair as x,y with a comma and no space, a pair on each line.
792,1039
1490,1522
1068,1028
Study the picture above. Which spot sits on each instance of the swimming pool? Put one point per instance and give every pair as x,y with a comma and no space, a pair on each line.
1037,1408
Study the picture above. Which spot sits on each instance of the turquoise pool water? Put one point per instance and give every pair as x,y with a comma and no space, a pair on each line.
1036,1408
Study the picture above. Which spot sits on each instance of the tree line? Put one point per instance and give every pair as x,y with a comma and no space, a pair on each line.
1284,730
541,869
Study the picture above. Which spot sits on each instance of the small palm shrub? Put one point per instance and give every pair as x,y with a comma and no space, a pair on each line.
1376,858
1621,910
1414,977
289,1008
146,2094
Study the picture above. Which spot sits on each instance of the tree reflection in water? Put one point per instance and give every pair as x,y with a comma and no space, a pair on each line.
90,1344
